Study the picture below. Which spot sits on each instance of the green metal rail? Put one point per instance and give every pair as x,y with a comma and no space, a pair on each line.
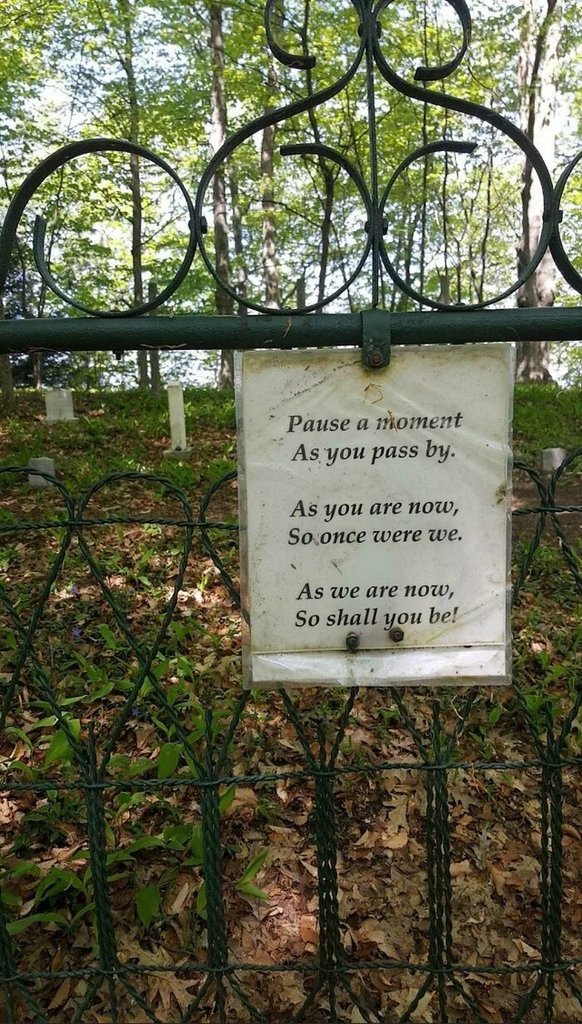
281,331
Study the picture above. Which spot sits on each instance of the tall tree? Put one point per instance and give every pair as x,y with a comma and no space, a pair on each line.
126,58
22,69
537,81
218,112
267,170
6,379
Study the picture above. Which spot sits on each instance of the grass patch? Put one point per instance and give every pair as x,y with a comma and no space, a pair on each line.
546,416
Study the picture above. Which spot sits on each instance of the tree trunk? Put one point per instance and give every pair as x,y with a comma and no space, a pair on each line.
127,64
537,82
37,366
329,183
27,310
224,302
6,382
237,235
155,375
269,254
270,274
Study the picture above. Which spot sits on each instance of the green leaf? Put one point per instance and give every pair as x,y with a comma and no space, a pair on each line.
116,857
88,909
118,876
148,903
108,636
119,762
196,734
57,880
495,714
201,902
176,836
173,692
226,799
102,691
143,843
24,867
253,868
250,889
13,731
137,768
43,723
17,927
60,749
10,899
168,758
197,845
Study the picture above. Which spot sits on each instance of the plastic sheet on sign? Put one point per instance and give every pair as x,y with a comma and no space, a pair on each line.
374,510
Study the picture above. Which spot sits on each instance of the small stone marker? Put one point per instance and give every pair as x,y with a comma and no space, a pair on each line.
177,421
44,465
59,405
552,458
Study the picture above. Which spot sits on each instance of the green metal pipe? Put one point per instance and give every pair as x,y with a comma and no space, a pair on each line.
317,330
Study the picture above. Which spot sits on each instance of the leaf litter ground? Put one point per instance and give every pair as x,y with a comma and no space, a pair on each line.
153,819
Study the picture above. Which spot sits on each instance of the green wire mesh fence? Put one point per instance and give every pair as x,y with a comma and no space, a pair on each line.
175,849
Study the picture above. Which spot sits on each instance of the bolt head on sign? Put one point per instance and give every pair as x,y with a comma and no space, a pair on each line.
374,510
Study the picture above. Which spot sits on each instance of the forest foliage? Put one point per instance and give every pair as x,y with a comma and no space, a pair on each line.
285,229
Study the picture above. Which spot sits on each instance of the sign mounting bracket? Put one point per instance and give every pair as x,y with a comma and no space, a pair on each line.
375,339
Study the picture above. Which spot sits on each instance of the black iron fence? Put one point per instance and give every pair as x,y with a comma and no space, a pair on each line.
178,850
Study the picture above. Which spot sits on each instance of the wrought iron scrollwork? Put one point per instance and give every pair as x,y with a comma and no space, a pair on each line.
371,55
53,163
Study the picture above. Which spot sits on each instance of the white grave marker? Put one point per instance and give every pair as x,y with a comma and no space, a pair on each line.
552,459
59,405
375,516
177,420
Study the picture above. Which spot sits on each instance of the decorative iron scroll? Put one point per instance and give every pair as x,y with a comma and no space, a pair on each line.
372,54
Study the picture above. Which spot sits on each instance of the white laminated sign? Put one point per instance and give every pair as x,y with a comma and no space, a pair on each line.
374,516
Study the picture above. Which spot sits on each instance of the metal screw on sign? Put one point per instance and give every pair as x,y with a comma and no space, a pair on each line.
352,641
396,634
375,358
